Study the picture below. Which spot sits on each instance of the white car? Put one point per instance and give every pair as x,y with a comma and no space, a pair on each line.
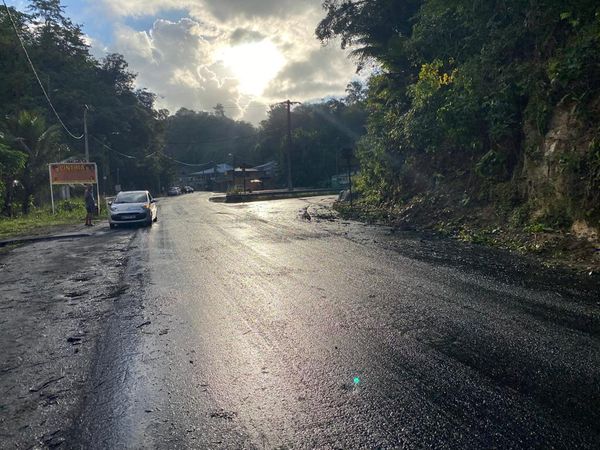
132,207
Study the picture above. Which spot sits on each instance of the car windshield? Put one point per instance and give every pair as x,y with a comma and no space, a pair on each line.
131,197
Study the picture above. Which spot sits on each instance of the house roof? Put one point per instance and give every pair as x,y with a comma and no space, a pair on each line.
219,168
267,165
224,168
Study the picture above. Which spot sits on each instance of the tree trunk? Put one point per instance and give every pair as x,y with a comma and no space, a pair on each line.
27,194
9,194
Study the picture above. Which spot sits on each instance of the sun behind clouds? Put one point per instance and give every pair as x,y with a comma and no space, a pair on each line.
253,64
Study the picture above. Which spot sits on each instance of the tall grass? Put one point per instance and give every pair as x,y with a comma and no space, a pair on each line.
67,212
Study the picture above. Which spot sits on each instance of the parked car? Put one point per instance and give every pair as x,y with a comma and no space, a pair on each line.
132,207
188,189
175,190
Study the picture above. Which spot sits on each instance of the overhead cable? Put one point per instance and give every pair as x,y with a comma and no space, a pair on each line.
14,26
112,149
187,164
214,141
234,138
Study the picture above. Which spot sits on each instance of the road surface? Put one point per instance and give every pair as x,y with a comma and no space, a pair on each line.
250,326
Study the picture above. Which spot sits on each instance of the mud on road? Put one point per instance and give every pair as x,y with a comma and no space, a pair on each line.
247,326
55,298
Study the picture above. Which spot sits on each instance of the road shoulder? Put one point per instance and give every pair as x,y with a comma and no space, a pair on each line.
56,297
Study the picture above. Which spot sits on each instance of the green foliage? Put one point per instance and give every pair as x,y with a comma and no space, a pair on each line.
582,174
119,117
492,165
557,217
574,69
39,143
520,216
536,228
67,212
12,163
319,133
200,137
466,87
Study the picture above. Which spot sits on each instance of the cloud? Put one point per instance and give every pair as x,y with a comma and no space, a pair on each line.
322,72
252,9
138,8
182,60
221,10
242,35
174,60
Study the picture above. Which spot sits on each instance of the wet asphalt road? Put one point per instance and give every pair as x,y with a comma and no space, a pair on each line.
245,326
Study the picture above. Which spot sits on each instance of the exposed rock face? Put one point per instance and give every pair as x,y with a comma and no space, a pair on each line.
561,172
581,229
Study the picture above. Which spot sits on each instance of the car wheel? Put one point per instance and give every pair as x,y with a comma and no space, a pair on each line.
112,225
156,218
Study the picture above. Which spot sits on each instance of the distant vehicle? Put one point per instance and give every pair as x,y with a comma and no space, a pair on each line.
188,189
175,190
132,207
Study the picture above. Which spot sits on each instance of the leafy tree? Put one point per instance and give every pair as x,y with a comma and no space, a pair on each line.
319,132
459,83
204,138
12,162
114,73
15,79
55,29
40,143
355,93
374,28
219,110
126,131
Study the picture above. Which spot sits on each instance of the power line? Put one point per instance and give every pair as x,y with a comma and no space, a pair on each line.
187,164
179,143
265,107
36,74
147,156
112,149
216,141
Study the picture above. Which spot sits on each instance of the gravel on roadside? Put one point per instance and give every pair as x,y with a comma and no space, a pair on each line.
55,297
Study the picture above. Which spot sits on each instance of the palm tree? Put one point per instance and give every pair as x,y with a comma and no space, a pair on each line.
12,163
28,133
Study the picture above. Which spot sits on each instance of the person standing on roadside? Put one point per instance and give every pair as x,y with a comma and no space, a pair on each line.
90,205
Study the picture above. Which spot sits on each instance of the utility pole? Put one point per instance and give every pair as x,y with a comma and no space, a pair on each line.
289,104
232,172
347,152
85,134
289,145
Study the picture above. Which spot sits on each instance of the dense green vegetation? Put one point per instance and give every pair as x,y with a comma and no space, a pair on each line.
126,131
470,105
207,138
39,219
319,132
464,97
134,144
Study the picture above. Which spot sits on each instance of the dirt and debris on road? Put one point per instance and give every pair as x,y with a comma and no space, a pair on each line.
576,249
251,326
55,296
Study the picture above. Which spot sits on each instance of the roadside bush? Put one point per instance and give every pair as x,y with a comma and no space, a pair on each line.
67,212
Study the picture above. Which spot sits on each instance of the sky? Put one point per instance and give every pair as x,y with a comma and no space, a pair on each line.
244,54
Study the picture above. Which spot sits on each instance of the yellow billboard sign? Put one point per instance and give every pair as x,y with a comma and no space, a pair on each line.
73,173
